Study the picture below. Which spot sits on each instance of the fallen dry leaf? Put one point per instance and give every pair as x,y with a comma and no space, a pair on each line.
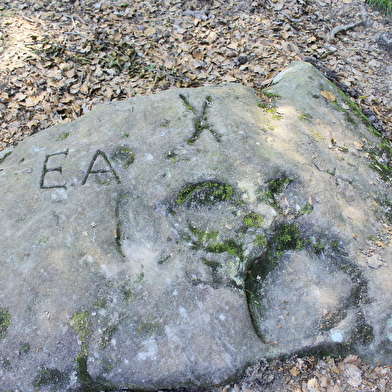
328,95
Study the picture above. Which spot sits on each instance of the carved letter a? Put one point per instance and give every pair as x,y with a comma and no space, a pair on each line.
108,170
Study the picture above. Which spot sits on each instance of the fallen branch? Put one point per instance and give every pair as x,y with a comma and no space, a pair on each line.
338,29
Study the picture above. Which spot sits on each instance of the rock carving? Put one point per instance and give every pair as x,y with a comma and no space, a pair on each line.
181,260
89,171
110,169
200,121
46,170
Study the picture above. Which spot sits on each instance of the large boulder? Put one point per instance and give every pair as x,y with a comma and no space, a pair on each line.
173,239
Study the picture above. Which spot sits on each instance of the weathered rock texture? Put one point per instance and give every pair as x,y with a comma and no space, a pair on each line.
171,240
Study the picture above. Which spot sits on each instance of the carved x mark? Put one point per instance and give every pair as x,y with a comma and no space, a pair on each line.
200,121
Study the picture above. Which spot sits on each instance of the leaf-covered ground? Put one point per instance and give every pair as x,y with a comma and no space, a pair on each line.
59,59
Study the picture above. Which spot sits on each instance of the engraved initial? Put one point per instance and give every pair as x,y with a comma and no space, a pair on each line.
45,170
107,170
200,122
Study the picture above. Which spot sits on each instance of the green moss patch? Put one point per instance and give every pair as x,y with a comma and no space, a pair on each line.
274,113
172,156
253,220
381,157
353,109
203,236
25,348
306,209
229,246
100,303
127,290
268,103
271,95
50,377
200,122
5,321
150,326
305,117
125,155
207,192
81,324
260,241
287,237
63,136
276,186
318,247
2,159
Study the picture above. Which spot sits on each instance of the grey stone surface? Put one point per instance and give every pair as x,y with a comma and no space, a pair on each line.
173,239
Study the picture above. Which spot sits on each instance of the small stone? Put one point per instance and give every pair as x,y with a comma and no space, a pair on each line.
64,67
242,59
374,261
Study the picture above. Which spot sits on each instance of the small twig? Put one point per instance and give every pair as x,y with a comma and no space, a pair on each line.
66,15
292,20
74,33
54,46
26,18
36,43
70,17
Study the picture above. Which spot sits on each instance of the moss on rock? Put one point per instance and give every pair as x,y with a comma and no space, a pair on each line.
253,220
5,321
206,192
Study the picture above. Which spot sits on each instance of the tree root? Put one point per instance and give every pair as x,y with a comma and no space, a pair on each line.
338,29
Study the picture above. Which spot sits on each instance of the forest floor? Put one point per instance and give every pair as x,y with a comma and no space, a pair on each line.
59,59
